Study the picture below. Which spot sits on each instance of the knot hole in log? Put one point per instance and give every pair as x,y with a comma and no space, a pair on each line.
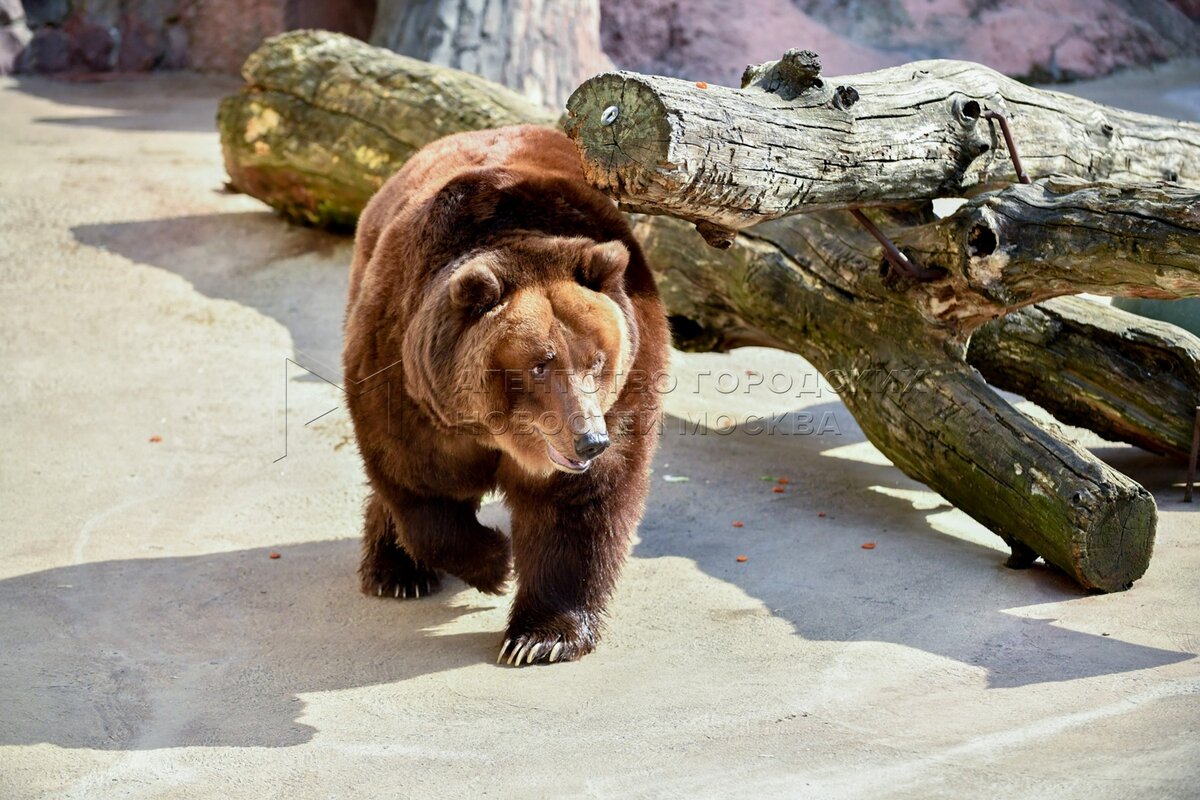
981,241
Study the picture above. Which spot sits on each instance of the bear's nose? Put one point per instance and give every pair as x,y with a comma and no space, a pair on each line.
590,445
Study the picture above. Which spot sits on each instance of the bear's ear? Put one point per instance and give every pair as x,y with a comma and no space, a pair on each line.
475,286
605,266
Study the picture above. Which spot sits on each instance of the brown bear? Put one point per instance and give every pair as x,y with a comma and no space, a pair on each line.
503,332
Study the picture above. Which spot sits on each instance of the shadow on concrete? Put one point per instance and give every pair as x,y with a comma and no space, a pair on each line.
298,276
175,652
136,102
926,585
1163,476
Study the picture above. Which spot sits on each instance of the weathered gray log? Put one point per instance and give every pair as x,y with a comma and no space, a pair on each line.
540,48
1128,378
324,120
793,141
1056,236
812,284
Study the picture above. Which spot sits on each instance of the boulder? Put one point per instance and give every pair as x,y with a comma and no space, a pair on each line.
48,51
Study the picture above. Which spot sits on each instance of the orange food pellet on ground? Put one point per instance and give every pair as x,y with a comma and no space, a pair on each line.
784,481
155,439
821,514
274,555
777,490
701,85
868,546
737,523
741,559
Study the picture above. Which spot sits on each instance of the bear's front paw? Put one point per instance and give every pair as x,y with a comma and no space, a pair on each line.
562,640
395,574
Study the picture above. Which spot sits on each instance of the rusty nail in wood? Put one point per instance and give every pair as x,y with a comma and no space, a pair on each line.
1191,478
898,260
1008,141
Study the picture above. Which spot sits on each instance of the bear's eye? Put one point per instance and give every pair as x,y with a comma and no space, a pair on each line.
539,370
598,362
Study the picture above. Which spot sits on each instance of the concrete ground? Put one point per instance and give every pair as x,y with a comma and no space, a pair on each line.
150,648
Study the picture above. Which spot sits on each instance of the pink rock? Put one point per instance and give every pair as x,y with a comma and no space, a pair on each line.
713,39
142,45
93,45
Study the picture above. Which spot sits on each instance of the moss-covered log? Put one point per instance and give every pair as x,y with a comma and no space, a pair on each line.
324,120
812,284
1128,378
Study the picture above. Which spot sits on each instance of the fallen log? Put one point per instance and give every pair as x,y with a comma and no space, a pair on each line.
936,419
791,140
1128,378
324,120
812,284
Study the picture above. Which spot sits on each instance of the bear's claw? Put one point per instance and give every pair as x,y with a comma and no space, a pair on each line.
526,650
404,585
389,571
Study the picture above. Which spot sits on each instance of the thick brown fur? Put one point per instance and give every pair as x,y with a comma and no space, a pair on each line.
502,320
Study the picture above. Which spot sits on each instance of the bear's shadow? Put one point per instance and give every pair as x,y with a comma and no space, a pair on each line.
208,650
114,655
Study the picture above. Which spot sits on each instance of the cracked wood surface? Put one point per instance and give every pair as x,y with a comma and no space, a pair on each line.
1056,236
791,141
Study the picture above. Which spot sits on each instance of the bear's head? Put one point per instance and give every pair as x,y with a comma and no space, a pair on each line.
527,345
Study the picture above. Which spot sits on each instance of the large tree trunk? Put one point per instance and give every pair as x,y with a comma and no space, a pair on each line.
541,48
813,283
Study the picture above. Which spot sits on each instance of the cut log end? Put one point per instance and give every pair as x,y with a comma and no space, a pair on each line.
619,125
1114,550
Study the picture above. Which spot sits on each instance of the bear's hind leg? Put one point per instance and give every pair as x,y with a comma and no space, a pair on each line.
445,534
387,570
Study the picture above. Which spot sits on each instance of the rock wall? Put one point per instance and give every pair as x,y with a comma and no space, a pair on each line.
139,35
711,40
1043,40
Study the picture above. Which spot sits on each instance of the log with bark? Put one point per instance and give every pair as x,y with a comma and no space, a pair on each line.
791,140
817,284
